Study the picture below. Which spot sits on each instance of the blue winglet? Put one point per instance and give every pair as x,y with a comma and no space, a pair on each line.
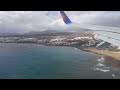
65,18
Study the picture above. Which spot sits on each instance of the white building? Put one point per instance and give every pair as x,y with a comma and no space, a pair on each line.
79,38
119,47
58,39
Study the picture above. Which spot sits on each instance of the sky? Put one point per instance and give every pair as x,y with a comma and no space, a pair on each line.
26,21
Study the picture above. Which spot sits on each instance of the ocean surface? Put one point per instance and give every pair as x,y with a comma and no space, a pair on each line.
33,61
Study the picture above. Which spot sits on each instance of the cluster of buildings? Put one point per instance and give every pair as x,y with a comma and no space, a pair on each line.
17,40
53,41
76,41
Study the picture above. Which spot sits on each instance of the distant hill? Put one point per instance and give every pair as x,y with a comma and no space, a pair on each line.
48,33
9,34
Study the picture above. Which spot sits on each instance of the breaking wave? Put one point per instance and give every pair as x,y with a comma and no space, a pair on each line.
75,48
103,70
100,65
102,59
113,75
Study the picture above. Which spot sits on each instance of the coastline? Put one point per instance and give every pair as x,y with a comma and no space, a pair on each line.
108,54
112,55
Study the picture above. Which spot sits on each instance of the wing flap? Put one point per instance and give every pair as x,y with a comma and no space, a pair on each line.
108,39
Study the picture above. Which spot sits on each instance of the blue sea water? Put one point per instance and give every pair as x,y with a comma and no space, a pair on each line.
33,61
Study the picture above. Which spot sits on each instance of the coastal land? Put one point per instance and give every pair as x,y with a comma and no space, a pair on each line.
107,53
82,40
111,55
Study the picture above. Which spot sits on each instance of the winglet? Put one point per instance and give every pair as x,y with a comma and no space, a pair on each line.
65,18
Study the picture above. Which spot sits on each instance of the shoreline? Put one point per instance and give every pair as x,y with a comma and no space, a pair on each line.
111,55
108,54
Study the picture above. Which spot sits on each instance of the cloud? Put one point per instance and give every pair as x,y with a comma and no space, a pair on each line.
25,21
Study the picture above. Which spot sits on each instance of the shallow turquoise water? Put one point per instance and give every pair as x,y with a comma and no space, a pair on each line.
31,61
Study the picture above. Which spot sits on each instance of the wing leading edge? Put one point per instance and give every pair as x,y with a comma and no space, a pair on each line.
107,34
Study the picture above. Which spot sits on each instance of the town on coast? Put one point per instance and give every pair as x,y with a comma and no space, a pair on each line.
82,40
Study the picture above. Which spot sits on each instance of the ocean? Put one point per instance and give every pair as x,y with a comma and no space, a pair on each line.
33,61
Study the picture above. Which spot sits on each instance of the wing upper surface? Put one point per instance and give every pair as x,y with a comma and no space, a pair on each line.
108,34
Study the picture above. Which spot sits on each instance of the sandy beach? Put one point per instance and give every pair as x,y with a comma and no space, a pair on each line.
111,54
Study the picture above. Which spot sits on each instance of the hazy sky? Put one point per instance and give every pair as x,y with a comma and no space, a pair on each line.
25,21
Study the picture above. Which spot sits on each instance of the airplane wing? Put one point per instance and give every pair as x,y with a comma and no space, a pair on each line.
107,34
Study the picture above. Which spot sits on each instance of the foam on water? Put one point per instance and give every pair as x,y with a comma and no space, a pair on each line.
102,59
75,48
114,75
100,65
104,70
